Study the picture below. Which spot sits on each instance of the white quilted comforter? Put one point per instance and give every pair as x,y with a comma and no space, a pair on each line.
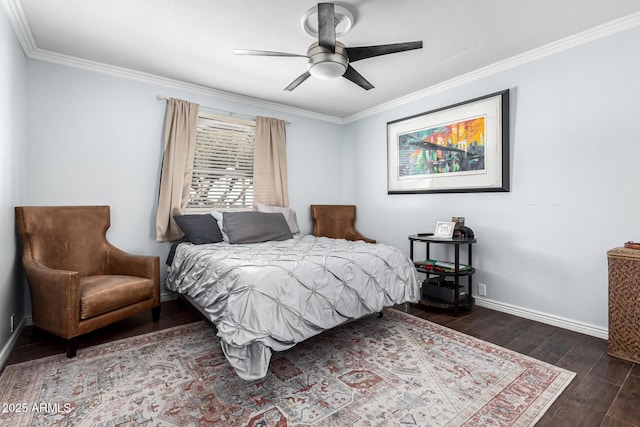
270,296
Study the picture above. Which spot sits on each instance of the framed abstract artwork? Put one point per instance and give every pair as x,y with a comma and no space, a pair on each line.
460,148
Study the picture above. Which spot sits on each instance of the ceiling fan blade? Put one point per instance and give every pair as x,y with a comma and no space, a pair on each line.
294,84
358,53
357,78
264,53
327,26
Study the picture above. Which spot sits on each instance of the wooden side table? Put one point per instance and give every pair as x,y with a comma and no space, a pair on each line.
457,273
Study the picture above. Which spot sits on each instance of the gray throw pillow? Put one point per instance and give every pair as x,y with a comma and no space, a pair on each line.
199,229
255,227
289,215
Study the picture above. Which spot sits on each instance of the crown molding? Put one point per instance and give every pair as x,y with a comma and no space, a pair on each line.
15,14
18,20
99,67
22,30
584,37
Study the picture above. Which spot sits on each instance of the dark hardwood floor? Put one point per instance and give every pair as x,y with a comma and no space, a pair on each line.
605,391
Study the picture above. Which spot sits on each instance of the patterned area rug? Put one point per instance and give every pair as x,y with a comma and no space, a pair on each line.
396,371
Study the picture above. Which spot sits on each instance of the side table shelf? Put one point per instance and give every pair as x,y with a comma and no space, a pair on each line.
455,294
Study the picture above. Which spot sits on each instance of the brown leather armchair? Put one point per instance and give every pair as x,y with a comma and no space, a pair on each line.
79,282
336,221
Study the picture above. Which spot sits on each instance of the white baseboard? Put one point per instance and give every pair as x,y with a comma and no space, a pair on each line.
13,340
167,296
549,319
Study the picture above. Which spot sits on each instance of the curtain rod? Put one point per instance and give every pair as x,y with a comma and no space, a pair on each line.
230,113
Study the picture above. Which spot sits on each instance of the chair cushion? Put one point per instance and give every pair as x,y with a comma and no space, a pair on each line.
100,294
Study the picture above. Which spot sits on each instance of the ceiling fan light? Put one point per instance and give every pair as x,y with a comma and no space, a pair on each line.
327,70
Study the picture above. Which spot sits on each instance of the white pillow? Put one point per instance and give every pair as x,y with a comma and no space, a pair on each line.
289,215
218,216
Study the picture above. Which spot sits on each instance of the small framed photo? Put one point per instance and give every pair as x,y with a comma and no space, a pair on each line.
444,230
458,220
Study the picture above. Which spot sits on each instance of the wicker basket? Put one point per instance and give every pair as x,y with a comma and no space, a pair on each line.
624,303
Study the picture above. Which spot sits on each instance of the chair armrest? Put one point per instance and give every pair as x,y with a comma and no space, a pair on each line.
354,235
120,262
54,298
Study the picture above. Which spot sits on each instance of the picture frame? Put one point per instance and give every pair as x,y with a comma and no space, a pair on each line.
461,148
444,230
457,220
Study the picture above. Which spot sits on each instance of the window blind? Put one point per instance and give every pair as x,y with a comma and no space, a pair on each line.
223,164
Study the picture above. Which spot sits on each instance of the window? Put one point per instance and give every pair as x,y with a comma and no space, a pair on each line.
222,165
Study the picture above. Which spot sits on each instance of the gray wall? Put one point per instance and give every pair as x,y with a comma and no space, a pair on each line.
13,141
575,167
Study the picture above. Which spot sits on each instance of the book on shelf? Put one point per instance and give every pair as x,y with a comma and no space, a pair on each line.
440,266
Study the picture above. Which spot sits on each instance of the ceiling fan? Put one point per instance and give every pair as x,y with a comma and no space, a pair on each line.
330,59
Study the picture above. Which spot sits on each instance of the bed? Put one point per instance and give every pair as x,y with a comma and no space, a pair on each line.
268,295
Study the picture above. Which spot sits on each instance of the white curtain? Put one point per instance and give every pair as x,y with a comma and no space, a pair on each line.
270,185
177,166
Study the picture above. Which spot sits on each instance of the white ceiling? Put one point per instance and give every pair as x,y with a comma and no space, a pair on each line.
192,41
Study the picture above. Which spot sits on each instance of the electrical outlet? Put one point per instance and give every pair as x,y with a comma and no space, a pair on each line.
482,289
12,322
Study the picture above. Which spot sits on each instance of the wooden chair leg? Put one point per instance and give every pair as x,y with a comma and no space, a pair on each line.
155,313
72,347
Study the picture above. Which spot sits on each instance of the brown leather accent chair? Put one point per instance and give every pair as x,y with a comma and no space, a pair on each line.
336,221
79,282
